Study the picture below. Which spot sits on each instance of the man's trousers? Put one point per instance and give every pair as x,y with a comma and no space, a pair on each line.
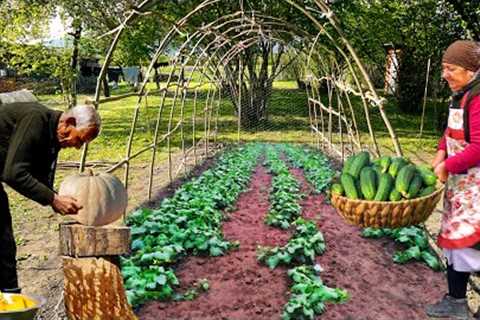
8,250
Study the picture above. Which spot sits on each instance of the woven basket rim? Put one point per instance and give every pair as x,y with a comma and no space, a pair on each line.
407,201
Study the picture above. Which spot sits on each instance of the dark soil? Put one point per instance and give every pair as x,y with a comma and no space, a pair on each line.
379,289
241,288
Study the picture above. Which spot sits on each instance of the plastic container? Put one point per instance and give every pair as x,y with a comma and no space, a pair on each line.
30,303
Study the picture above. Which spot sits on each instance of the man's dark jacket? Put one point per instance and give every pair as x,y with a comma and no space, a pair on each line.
29,149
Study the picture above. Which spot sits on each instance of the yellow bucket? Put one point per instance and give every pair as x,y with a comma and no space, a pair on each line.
16,306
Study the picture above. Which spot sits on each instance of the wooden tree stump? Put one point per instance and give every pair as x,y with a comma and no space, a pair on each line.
93,282
77,240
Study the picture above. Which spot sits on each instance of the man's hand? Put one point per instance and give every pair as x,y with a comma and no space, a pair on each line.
65,205
441,172
439,157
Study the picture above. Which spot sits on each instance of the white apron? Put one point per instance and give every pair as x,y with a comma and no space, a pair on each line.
461,218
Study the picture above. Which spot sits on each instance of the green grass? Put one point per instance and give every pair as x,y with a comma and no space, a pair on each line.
287,121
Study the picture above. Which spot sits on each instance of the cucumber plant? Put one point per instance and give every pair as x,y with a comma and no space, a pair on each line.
309,294
315,165
306,243
285,193
413,239
189,222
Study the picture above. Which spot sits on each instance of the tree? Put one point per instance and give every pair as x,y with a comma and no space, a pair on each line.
29,19
469,12
94,17
24,21
252,69
423,29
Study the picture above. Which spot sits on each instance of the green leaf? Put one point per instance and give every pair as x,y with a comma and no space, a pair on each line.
407,255
273,261
372,233
215,251
137,244
161,279
431,260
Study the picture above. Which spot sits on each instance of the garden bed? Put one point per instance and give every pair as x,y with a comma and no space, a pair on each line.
239,287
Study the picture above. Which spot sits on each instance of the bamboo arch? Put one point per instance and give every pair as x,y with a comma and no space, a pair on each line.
210,51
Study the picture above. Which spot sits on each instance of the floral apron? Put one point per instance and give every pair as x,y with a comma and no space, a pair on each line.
461,219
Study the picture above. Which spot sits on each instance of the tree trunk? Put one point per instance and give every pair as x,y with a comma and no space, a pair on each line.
157,80
256,88
106,89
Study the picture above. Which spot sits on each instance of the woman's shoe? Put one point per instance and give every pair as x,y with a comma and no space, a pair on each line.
449,307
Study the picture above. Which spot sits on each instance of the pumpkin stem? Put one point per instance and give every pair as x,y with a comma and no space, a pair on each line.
89,172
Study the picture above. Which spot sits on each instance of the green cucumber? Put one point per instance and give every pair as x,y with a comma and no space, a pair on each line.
348,163
426,191
385,185
368,183
348,184
337,189
415,186
396,165
429,178
384,163
359,189
404,177
361,160
395,195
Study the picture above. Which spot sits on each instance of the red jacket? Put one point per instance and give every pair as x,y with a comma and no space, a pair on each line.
470,157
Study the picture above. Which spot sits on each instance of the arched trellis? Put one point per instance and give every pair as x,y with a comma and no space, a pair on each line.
211,51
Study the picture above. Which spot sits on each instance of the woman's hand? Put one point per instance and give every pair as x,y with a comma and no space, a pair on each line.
441,172
439,157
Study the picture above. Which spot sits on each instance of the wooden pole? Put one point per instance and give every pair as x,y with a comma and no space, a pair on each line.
217,113
240,80
310,113
143,6
322,118
354,118
193,127
340,125
182,135
425,97
205,122
330,109
169,144
315,115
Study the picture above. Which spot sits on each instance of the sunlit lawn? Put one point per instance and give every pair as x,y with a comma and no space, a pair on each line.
287,122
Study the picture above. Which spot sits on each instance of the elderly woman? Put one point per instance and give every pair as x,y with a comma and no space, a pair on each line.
458,161
31,136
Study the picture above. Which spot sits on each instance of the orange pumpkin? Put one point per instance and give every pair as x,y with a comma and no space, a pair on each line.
102,196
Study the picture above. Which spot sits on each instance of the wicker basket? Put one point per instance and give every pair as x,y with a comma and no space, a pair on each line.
383,214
